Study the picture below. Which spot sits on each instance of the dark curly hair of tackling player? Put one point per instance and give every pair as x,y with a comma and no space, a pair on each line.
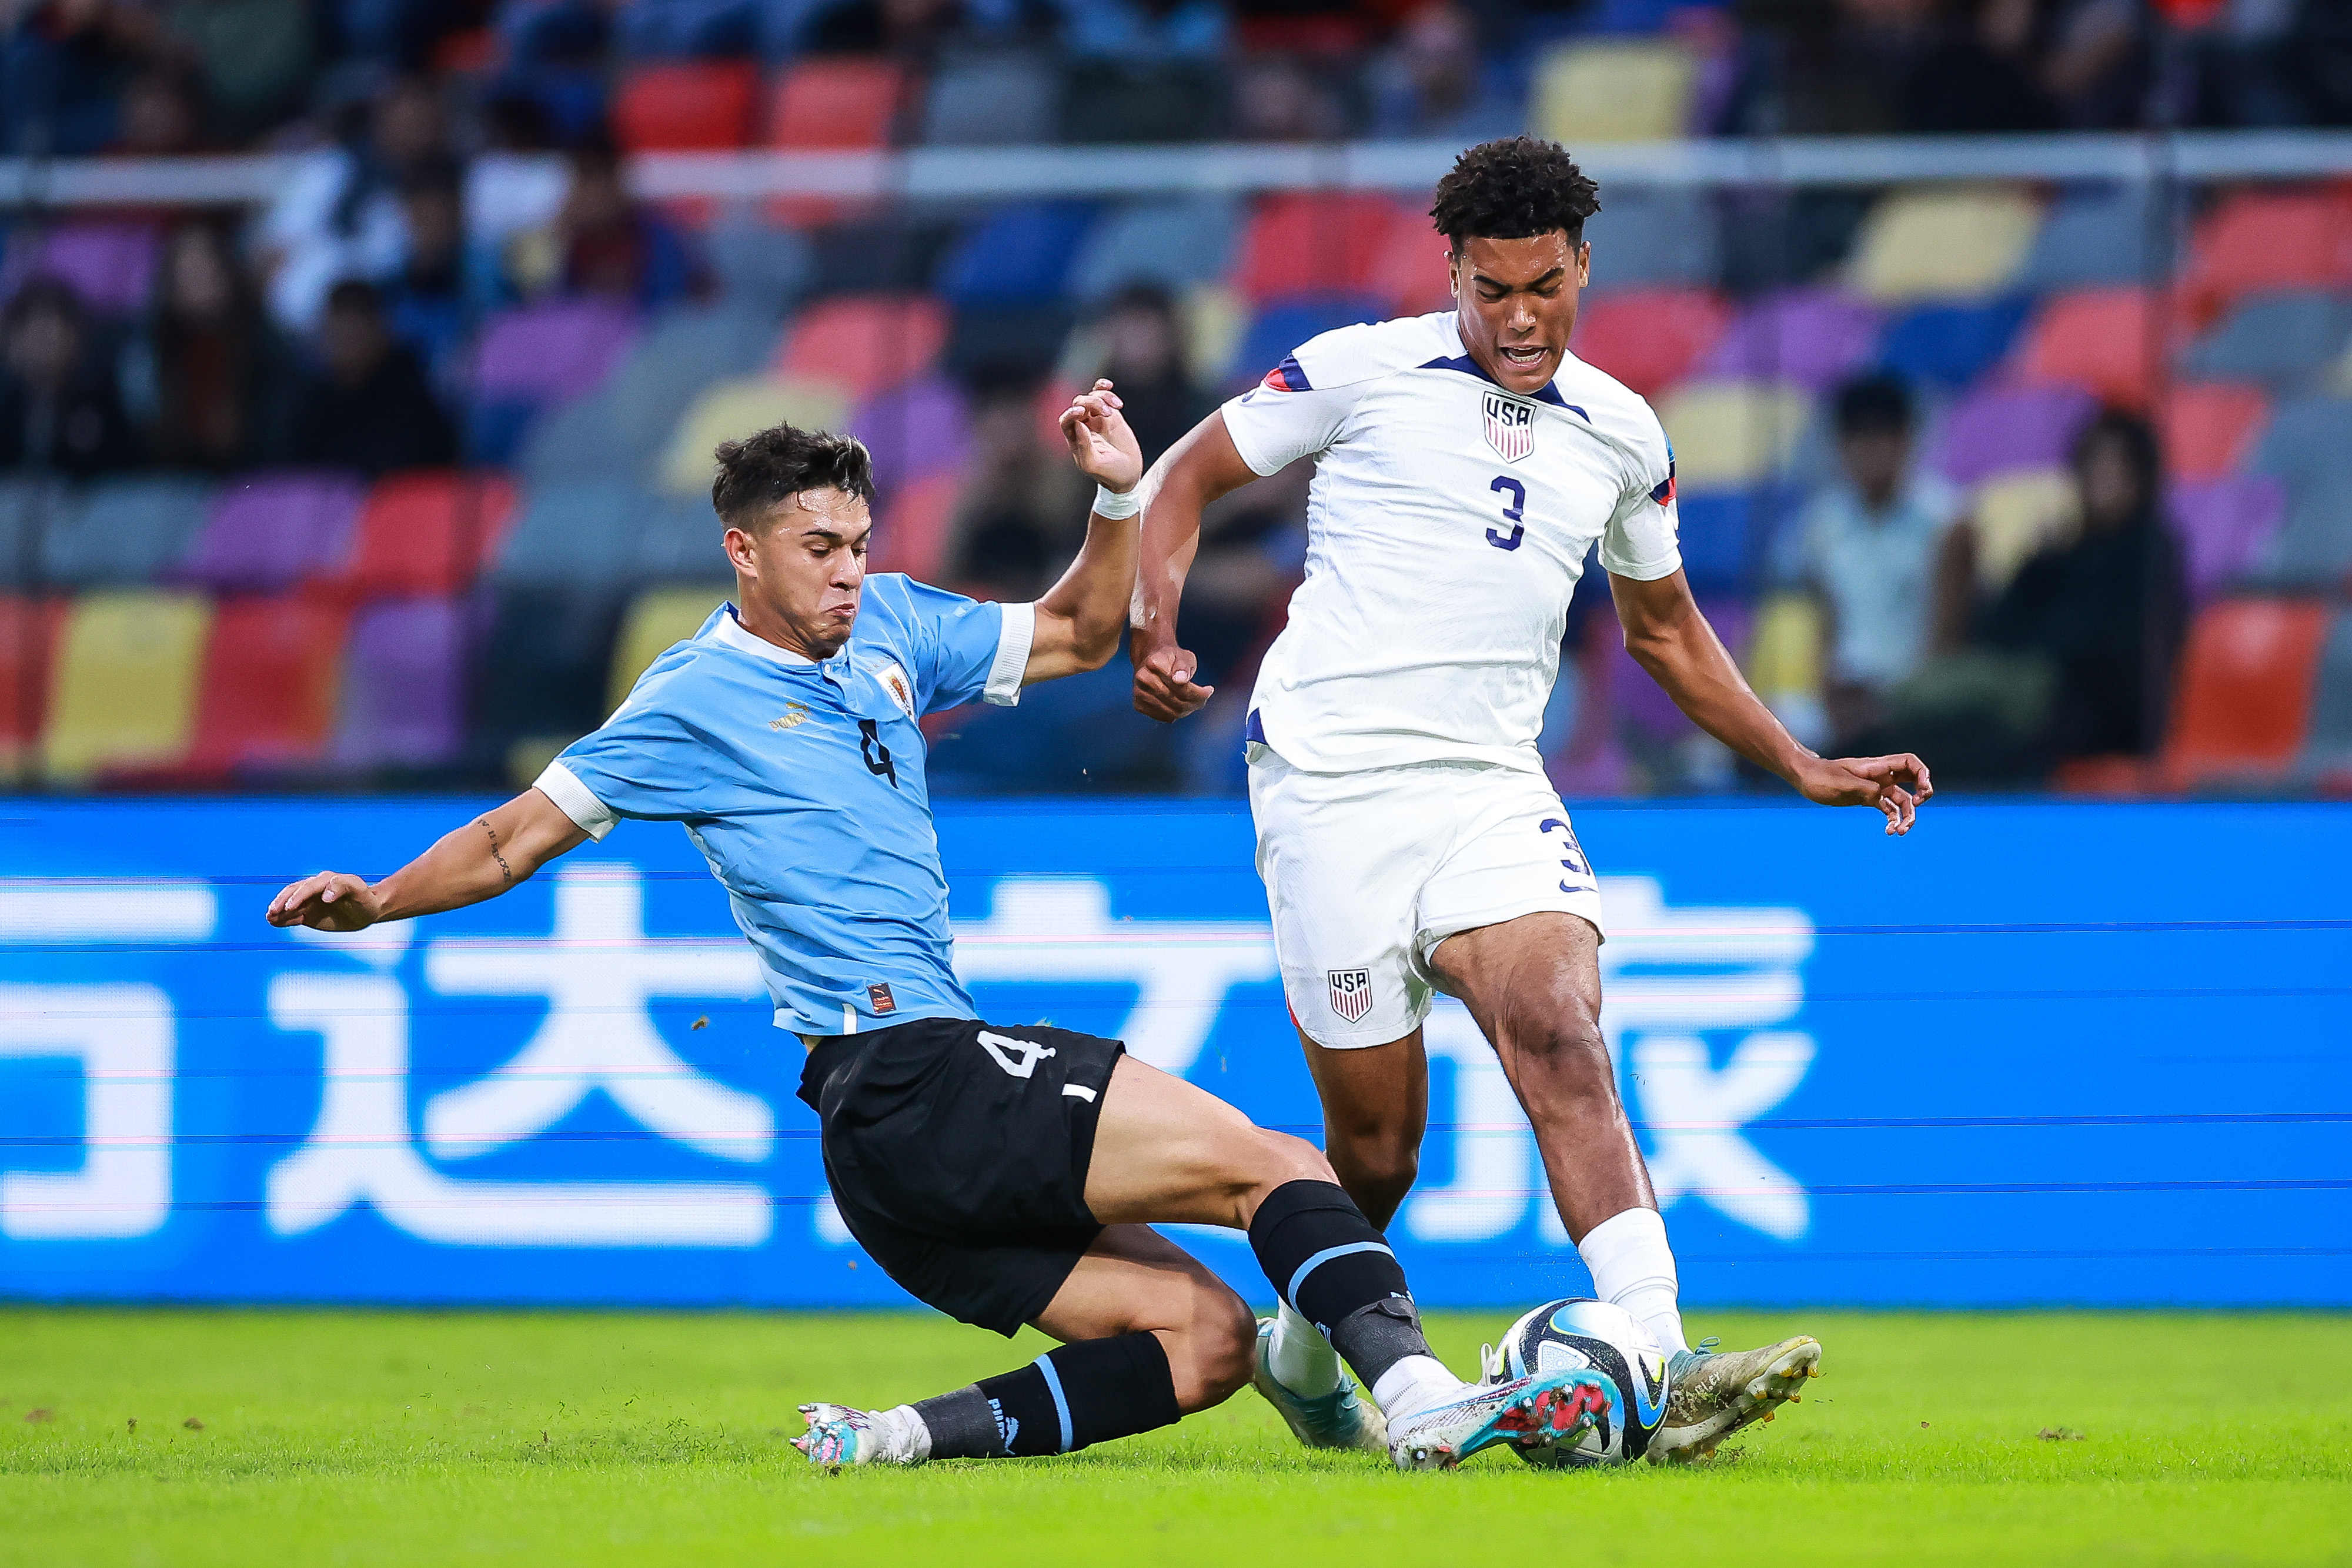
1512,188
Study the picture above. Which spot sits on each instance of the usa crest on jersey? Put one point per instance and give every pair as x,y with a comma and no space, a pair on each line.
1351,993
1510,426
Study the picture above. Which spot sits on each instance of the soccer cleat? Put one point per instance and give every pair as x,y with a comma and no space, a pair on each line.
1711,1395
1555,1406
1340,1419
839,1435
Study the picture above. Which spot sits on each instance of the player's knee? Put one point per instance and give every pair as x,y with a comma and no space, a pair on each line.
1288,1159
1211,1358
1386,1162
1570,1050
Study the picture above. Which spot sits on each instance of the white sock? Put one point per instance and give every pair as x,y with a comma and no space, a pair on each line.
1301,1359
1414,1384
906,1437
1633,1268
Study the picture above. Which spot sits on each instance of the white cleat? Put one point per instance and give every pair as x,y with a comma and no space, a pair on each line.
1711,1395
839,1435
1555,1406
1340,1419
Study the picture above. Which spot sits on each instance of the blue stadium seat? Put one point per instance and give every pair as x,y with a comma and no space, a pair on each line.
576,534
760,267
1017,256
1283,326
688,29
1175,244
1725,534
27,509
1649,236
2095,235
2308,443
2327,747
678,542
125,531
1951,345
2280,339
1001,98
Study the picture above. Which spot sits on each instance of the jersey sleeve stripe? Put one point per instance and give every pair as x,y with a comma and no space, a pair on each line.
1013,640
1287,377
575,800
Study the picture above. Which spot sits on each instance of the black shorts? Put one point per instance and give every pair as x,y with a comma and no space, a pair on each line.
957,1155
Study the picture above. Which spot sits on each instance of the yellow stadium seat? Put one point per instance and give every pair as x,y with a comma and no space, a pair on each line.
1784,652
730,409
1728,433
1958,244
658,618
2017,514
123,691
1629,89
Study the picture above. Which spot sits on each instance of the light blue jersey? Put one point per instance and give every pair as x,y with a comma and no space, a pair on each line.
802,783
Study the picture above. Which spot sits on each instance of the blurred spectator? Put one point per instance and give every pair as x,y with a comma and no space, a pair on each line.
1981,73
431,303
161,116
2104,610
1146,32
910,29
1145,70
518,180
371,408
1831,65
1023,508
1143,354
1278,98
64,66
2095,64
59,409
340,214
255,57
211,379
1431,80
1870,546
603,241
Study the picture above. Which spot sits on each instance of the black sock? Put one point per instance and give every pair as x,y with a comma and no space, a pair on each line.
1078,1394
1326,1259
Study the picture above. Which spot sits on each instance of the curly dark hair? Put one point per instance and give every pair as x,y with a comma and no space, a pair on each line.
779,462
1511,189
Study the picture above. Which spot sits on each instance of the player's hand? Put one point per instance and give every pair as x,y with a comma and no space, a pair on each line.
331,901
1101,444
1164,688
1898,786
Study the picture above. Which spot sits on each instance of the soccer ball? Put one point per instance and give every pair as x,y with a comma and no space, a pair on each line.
1579,1331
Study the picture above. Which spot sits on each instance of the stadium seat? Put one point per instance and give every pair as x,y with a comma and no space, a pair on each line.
2308,443
1615,90
915,431
1018,254
111,264
1950,345
28,638
2224,525
734,409
2095,236
1410,271
1724,533
999,98
2016,512
2280,340
697,106
404,703
2246,690
1784,652
1174,243
828,105
1943,244
1732,435
122,693
537,358
1656,236
679,540
424,533
1322,242
911,534
272,671
1650,338
28,507
865,343
654,620
1814,337
2313,546
2209,425
1998,429
2097,338
2257,240
269,531
570,536
124,531
1278,328
2327,748
761,268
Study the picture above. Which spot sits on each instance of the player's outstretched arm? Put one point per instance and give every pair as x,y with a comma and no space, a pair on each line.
481,860
1080,617
1196,471
1669,638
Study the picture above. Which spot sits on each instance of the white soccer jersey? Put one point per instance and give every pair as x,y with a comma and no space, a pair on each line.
1446,528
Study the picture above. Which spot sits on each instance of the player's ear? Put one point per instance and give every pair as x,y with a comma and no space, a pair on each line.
740,551
1584,261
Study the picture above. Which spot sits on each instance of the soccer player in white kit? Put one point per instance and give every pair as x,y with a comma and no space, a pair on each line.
1409,839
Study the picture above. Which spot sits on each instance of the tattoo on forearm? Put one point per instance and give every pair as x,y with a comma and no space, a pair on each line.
506,872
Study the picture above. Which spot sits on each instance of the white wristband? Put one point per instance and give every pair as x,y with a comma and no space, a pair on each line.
1120,505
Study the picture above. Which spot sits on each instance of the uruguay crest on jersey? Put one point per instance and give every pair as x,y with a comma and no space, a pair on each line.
1510,426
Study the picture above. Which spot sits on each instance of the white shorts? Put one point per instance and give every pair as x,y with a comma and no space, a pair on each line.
1367,872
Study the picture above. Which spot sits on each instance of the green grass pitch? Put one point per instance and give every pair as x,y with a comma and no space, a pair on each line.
566,1439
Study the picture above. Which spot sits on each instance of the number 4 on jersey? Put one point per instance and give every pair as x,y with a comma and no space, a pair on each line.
1017,1057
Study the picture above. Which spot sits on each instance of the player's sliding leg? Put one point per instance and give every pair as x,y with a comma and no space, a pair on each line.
1533,984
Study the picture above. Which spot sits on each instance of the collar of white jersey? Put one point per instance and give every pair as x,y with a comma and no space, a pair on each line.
1468,365
730,632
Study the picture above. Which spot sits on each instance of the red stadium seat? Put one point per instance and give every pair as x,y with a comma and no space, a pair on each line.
834,105
28,643
2209,425
2244,695
701,106
425,534
865,343
1411,270
1650,338
911,535
272,672
2263,240
2097,340
1317,243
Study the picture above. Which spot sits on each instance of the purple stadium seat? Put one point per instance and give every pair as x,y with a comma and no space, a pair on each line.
404,686
269,531
110,266
1646,708
914,430
552,352
1814,337
2222,522
2000,429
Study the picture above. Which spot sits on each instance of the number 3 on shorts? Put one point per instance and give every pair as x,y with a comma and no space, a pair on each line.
1017,1057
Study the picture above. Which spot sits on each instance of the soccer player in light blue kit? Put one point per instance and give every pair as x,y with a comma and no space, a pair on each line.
1005,1176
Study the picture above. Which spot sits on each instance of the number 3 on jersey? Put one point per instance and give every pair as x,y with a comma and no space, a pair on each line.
1513,510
